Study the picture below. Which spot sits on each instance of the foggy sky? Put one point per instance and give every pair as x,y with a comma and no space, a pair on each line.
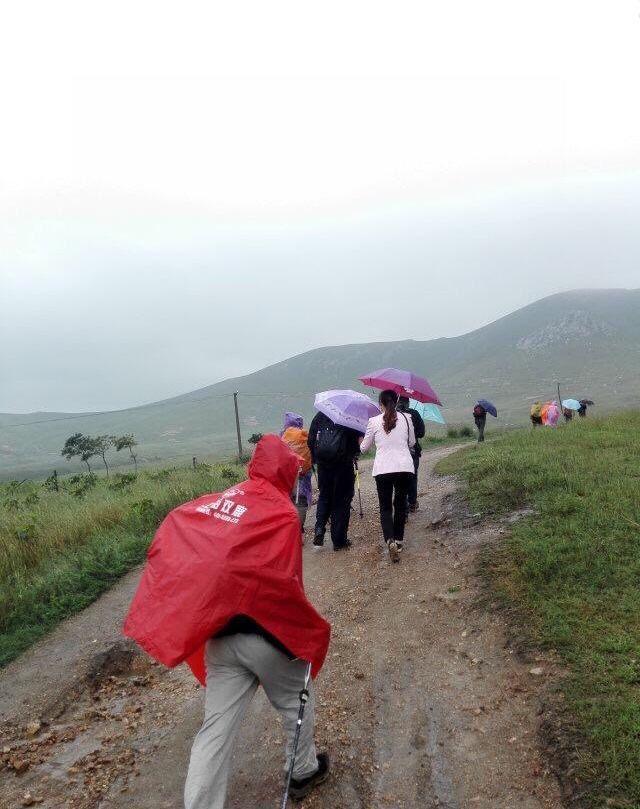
251,184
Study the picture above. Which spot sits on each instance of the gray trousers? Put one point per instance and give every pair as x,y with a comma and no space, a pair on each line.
236,665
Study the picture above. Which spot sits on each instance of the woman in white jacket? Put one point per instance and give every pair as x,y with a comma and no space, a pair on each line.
392,432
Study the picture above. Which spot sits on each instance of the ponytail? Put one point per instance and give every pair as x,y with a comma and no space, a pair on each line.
388,401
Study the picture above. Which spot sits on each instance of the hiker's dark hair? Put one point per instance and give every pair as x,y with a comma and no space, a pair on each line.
388,401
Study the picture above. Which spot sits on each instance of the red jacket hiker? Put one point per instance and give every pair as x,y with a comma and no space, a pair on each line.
224,555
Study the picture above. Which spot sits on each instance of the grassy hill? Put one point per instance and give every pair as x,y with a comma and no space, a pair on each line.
589,340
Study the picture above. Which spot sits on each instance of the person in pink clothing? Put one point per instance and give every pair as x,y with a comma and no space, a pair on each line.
393,434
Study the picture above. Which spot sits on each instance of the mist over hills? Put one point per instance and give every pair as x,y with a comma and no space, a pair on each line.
588,340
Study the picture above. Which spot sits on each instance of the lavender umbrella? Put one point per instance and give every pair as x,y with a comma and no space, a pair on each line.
405,383
347,408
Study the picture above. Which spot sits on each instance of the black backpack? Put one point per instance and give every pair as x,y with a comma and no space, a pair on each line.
331,444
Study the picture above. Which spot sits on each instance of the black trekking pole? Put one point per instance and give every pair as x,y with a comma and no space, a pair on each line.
355,463
304,698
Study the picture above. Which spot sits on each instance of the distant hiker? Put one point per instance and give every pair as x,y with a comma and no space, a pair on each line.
536,414
584,403
296,438
333,451
393,467
419,431
480,418
222,590
550,414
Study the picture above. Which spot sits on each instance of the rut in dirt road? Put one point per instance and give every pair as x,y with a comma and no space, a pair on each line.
420,703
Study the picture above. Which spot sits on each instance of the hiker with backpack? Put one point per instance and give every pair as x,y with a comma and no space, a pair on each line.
334,449
393,435
535,414
419,431
480,418
296,438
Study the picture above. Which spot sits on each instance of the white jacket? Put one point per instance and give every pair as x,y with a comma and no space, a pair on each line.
392,449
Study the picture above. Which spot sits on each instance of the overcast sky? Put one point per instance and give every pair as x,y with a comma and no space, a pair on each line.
190,191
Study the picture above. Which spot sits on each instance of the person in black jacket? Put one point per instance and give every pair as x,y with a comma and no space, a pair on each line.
333,451
416,452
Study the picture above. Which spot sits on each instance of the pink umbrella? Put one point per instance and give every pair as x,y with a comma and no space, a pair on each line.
404,383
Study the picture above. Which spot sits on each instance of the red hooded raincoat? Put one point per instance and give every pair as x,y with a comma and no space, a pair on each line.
234,553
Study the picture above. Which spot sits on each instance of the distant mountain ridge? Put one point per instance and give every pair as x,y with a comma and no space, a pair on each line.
588,340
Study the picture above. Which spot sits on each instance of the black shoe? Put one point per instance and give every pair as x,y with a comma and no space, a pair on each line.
299,789
344,547
318,540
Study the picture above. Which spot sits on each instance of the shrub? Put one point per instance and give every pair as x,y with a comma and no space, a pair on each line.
229,474
122,480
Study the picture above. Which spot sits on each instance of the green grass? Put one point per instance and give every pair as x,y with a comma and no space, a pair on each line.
572,571
60,549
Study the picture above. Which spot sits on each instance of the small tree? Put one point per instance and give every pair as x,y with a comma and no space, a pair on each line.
255,438
126,442
80,446
101,444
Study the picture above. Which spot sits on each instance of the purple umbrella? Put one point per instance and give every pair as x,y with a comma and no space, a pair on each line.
489,407
347,408
404,383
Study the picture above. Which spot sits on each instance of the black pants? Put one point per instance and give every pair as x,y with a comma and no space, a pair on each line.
392,496
336,485
412,491
480,423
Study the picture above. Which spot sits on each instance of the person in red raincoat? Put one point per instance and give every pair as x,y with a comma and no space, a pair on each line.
223,591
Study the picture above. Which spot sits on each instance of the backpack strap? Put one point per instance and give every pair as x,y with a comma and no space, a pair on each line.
408,431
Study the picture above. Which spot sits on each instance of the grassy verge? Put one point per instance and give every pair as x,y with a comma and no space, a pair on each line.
573,572
60,549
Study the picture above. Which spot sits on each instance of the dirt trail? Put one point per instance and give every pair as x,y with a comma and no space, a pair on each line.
421,703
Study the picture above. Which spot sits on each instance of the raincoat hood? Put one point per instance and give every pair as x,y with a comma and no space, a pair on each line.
292,420
274,462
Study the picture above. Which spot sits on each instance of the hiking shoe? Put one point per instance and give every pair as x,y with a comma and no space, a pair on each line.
344,547
299,789
394,551
318,540
400,545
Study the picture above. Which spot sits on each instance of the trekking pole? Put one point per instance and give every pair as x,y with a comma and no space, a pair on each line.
355,463
304,698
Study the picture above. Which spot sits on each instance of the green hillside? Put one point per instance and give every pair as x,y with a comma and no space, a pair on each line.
589,340
569,574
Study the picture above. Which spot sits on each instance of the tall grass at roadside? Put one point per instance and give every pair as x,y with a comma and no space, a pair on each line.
572,570
60,549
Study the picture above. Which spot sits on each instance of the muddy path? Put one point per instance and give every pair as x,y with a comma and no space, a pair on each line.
421,703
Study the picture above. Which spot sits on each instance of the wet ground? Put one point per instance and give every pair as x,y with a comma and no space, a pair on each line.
421,702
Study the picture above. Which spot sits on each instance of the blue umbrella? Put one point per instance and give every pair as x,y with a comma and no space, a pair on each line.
571,404
490,408
430,412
